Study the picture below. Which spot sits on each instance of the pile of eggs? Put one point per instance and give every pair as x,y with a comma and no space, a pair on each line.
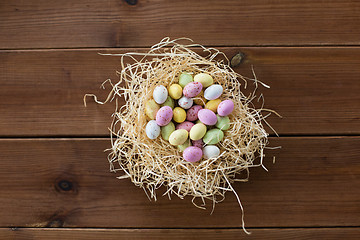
190,115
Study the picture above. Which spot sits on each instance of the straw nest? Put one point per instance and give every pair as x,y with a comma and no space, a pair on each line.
150,164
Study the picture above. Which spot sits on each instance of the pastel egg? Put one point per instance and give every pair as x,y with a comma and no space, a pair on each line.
223,123
198,143
199,99
179,115
211,151
164,115
175,91
151,108
207,117
160,94
204,78
152,129
185,102
183,146
185,125
192,113
213,136
192,154
178,137
169,102
225,107
213,92
197,131
213,105
184,79
192,89
167,130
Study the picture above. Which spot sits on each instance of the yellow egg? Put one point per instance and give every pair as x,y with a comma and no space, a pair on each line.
151,108
179,115
204,78
197,131
178,137
213,104
175,91
199,99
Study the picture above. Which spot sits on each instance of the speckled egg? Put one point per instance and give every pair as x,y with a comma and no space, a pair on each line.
164,115
204,78
192,113
178,137
179,115
199,99
167,130
192,154
160,94
175,91
213,136
213,92
185,125
152,129
225,108
192,89
213,105
169,102
223,123
207,117
185,102
183,146
184,79
198,143
151,108
197,131
211,151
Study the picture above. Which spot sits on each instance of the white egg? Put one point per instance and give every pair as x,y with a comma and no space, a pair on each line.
185,102
152,129
213,92
160,94
211,151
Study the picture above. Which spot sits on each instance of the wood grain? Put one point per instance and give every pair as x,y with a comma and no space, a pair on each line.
91,23
315,89
164,234
315,182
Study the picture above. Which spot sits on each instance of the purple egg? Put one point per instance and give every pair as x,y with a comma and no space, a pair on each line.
192,89
185,125
164,116
207,117
225,108
198,143
192,154
192,113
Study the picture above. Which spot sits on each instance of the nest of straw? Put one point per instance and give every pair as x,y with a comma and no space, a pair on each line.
150,164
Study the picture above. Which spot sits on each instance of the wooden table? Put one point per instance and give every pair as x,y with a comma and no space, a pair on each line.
54,176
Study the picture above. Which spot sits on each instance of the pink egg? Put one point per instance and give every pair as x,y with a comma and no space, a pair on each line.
192,154
164,116
207,117
192,89
225,108
192,113
198,143
185,125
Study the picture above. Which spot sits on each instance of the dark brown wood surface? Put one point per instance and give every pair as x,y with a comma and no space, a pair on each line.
114,23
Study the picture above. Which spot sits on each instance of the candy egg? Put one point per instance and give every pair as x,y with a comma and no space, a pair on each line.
199,99
213,92
167,130
211,151
151,108
192,113
160,94
197,131
152,129
225,108
213,105
185,102
184,79
169,102
192,154
164,115
178,137
185,125
207,117
192,89
198,143
204,78
179,115
183,146
223,123
175,91
213,136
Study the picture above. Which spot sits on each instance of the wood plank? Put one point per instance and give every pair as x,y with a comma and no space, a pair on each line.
315,89
315,182
159,234
90,23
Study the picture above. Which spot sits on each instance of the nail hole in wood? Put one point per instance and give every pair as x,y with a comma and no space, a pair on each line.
131,2
65,185
237,59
